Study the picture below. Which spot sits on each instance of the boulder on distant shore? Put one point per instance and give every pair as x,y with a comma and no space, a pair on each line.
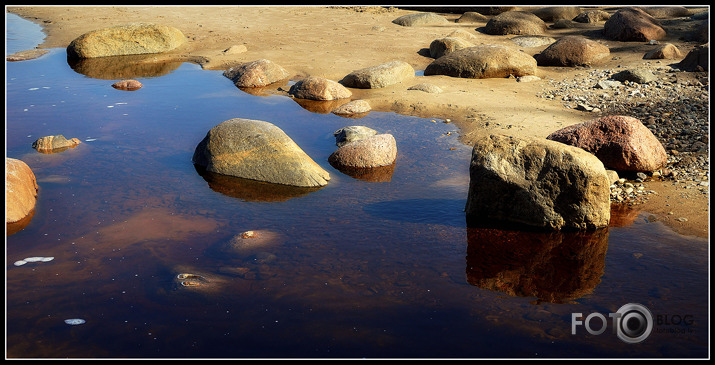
667,11
572,51
592,16
555,13
538,183
442,46
420,19
622,143
515,22
664,51
129,39
484,61
633,25
472,17
379,76
257,150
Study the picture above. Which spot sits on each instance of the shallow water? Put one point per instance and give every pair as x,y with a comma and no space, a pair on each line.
381,266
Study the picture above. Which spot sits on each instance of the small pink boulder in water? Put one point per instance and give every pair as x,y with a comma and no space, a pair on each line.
129,85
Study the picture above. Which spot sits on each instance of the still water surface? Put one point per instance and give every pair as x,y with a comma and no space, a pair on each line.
377,266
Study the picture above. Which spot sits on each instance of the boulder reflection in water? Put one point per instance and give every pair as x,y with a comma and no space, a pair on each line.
320,106
554,267
124,67
251,190
373,174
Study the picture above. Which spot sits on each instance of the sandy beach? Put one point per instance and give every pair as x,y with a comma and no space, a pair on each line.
331,42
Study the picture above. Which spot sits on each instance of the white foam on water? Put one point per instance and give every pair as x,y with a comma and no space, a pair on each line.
75,321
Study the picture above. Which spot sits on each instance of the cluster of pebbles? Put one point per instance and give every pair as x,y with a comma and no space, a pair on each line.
673,104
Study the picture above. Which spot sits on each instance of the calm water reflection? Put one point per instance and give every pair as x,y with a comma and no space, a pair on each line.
364,267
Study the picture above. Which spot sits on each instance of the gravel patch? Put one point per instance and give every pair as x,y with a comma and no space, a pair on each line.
675,107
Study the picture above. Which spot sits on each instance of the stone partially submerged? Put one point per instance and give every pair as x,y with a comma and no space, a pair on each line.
129,39
257,150
319,88
352,133
373,151
484,61
54,144
257,73
538,183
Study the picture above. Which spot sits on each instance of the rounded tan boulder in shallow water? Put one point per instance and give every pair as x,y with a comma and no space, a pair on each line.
257,150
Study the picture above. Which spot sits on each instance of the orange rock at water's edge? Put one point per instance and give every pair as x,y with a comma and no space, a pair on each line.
20,190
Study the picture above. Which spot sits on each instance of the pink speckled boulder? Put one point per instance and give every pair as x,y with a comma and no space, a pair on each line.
129,85
633,25
373,151
622,143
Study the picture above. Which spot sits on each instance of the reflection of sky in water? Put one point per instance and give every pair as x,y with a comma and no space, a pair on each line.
362,268
20,34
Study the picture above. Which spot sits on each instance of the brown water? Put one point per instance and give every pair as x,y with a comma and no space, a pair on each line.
374,266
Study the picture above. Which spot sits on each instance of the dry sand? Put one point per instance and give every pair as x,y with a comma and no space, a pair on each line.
331,42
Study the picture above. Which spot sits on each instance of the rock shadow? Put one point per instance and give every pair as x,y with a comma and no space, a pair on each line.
372,174
424,211
268,90
320,106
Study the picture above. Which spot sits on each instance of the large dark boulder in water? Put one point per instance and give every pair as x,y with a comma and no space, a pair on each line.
537,183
